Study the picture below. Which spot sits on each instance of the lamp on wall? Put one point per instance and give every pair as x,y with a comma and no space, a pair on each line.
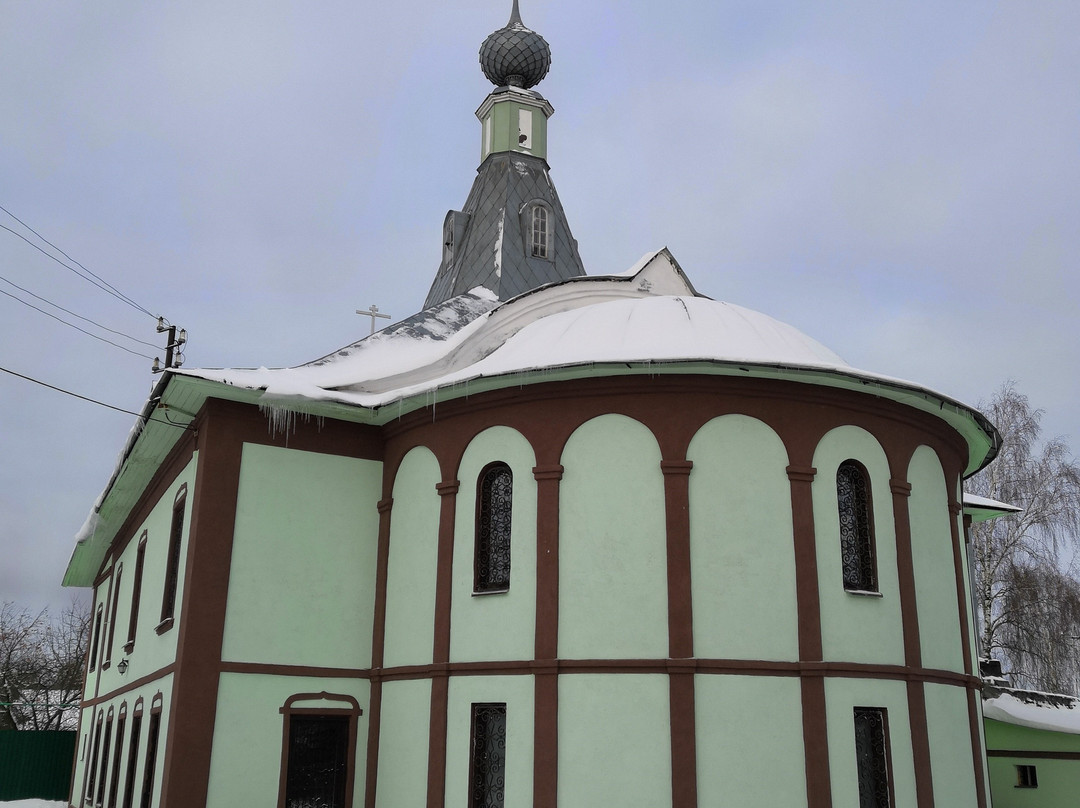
122,666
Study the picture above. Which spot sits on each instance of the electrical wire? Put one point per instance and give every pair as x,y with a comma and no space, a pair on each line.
91,400
72,325
103,285
123,297
73,314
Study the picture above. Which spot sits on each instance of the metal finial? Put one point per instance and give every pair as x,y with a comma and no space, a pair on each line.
515,16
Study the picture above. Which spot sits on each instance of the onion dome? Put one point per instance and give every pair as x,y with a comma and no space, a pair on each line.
515,56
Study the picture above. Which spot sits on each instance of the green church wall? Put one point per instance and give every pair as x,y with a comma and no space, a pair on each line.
516,692
856,627
842,696
306,532
504,128
411,567
935,569
152,651
614,741
1058,777
749,743
497,625
612,543
741,549
404,726
952,765
249,734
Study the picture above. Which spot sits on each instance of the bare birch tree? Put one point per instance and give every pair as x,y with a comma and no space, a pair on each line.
41,666
1026,593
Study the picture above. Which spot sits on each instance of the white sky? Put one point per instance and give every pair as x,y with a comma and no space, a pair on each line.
899,180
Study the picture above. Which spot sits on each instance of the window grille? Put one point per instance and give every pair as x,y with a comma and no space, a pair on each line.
493,519
488,768
856,538
318,761
872,759
539,231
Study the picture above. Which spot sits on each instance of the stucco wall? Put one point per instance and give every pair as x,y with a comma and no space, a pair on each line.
302,586
612,546
1058,777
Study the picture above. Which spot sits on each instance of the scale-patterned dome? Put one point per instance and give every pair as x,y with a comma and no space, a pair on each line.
515,55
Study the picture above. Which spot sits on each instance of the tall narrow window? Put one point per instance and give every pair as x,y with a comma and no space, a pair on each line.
539,240
103,778
96,639
487,770
95,747
114,778
112,614
494,505
152,732
856,536
133,755
319,747
172,570
872,757
136,593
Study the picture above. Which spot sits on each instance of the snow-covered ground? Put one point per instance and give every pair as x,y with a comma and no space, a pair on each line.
33,804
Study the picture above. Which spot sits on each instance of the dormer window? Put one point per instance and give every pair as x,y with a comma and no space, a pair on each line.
540,233
448,241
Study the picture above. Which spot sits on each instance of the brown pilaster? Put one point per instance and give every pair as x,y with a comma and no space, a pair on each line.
956,511
440,683
378,634
546,676
186,776
909,611
815,726
680,633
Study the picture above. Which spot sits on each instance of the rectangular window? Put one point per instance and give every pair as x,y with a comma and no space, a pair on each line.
136,592
525,128
103,779
487,769
92,769
112,615
96,639
172,570
494,512
872,757
151,760
114,779
1026,777
133,761
318,768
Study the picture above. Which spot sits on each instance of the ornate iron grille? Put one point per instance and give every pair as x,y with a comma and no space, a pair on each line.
871,757
318,761
856,545
488,777
492,564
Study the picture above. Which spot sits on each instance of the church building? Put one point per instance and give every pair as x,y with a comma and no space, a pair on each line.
557,539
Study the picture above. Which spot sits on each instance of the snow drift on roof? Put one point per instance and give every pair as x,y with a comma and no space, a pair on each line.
1036,710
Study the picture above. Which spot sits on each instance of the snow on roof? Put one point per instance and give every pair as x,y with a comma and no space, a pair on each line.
983,508
1036,710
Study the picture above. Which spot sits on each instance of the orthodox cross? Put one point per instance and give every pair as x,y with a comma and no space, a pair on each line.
373,312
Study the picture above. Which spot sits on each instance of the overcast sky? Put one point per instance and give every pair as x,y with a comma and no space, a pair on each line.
900,180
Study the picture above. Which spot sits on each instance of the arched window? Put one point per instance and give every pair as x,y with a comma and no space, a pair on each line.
494,501
856,534
540,232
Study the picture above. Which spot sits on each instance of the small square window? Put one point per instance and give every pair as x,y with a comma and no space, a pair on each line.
1026,777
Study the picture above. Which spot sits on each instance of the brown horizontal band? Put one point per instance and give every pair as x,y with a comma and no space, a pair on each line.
1028,754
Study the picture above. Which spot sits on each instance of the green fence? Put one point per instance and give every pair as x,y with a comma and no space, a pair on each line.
35,764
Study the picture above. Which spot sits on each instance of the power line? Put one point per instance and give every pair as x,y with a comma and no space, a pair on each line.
68,257
91,400
73,314
72,325
103,286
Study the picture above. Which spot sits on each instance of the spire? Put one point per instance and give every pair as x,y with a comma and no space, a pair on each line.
512,234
